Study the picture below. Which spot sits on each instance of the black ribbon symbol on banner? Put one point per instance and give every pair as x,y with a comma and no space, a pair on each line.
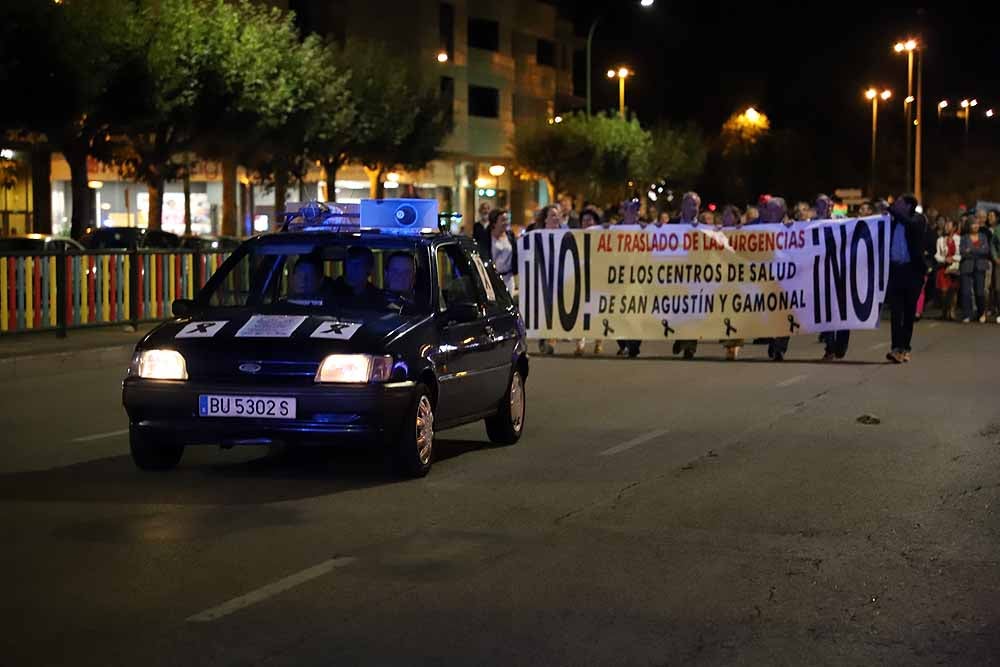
334,328
203,327
666,329
792,324
730,329
607,328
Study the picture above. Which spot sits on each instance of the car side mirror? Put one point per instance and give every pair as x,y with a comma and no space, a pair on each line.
182,307
462,312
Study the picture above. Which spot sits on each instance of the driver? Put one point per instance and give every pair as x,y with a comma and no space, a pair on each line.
355,286
400,275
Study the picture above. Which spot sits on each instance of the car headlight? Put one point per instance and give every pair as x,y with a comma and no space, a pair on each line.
159,365
354,368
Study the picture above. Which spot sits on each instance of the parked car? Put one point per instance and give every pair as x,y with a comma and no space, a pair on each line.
38,243
210,243
129,238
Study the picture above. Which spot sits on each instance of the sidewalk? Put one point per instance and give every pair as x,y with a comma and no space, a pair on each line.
44,354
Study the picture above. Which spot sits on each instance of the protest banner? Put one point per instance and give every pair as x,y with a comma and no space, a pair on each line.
699,282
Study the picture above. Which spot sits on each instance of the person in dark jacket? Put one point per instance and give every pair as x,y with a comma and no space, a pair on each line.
975,252
906,273
480,228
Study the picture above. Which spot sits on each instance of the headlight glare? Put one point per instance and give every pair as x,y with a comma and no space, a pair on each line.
354,368
161,365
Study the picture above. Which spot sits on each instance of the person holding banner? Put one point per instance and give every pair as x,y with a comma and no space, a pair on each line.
906,273
548,217
630,221
776,211
690,207
836,341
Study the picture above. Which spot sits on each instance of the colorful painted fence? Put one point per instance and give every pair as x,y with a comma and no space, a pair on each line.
49,291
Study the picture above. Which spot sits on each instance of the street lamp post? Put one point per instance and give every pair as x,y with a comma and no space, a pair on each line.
918,154
621,73
909,46
967,105
590,44
874,96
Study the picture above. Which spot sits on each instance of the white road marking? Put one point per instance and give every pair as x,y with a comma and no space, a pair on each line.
270,590
634,442
792,380
878,346
100,436
932,325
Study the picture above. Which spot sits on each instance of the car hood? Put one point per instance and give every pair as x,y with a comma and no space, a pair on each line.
215,344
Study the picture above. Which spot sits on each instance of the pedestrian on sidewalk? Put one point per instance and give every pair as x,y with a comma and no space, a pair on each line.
906,273
976,259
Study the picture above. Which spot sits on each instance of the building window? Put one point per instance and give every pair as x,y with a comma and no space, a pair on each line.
484,102
448,100
484,34
545,53
447,29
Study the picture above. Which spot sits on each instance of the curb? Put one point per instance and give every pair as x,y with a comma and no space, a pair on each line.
55,363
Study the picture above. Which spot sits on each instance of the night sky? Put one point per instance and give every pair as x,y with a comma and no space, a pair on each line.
806,67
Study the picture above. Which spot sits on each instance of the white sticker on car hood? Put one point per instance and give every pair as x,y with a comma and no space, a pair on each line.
271,326
336,330
201,329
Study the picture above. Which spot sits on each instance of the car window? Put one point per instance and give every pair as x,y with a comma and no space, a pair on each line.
502,298
316,276
458,281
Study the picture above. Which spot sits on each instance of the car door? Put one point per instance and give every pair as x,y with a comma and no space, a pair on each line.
464,340
501,328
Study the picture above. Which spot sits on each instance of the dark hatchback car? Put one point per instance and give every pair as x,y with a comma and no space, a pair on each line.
330,335
129,238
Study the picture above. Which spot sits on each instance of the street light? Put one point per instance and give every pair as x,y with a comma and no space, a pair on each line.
908,47
442,56
622,73
873,95
942,105
590,44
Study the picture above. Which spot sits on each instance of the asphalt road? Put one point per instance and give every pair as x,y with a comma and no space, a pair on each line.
656,512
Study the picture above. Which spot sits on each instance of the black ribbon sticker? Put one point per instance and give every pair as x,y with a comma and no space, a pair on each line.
730,329
792,324
334,328
203,327
666,329
607,328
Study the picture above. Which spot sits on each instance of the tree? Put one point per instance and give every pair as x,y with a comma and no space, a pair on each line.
560,152
678,153
64,60
594,156
401,119
317,110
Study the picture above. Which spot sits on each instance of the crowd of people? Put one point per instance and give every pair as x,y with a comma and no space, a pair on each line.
953,262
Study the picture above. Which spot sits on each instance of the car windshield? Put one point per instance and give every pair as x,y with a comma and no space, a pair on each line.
324,276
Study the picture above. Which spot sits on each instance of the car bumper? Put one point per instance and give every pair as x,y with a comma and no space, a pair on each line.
347,412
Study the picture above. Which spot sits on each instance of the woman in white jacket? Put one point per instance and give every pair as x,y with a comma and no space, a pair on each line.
948,260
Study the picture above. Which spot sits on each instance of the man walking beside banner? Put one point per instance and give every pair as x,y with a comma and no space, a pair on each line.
906,273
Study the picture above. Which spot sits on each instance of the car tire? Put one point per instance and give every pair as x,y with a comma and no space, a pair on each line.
506,426
152,453
413,451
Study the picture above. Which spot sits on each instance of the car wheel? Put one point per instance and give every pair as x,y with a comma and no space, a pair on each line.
151,453
505,427
414,451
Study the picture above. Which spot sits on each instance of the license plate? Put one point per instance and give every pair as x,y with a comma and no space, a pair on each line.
255,407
